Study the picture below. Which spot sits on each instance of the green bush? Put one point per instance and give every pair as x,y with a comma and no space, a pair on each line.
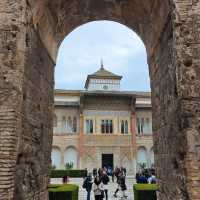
69,165
63,192
145,191
71,173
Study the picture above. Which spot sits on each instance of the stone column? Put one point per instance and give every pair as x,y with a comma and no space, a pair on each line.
81,140
133,139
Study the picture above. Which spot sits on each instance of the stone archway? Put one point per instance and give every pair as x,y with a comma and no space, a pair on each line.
142,156
71,156
56,157
31,32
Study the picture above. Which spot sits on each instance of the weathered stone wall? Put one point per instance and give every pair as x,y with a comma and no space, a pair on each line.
168,141
175,96
34,150
170,31
26,105
12,48
186,45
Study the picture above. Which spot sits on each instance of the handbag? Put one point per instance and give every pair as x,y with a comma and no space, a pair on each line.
102,194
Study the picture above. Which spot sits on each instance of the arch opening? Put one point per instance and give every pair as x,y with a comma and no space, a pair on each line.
121,55
70,158
56,158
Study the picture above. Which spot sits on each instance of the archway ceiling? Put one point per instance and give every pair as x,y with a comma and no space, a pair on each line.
56,18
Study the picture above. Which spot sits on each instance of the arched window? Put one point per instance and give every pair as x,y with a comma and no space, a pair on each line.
142,157
103,126
56,157
146,126
152,157
126,127
107,126
138,126
142,125
74,124
70,157
69,125
89,126
55,120
122,126
64,123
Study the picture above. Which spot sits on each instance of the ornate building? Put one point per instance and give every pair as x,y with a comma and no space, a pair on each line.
102,125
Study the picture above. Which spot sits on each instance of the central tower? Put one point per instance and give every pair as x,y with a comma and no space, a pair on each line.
103,80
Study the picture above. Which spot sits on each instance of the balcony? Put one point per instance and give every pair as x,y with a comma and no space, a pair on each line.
64,134
144,134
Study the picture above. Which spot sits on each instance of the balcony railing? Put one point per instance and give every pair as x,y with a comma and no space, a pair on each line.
144,134
65,133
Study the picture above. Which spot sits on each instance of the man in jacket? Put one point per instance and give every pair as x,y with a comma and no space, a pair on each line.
87,185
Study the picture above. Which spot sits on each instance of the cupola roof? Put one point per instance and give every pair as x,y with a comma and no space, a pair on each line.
102,73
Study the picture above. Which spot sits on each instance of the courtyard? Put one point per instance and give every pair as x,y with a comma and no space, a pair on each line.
112,187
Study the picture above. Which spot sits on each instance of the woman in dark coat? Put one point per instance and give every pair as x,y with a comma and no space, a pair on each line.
122,183
87,184
105,180
98,188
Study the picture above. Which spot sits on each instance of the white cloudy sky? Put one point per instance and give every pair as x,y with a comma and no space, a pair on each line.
122,51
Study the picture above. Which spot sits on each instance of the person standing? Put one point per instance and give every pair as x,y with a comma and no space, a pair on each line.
105,180
98,188
94,172
124,171
100,171
152,179
118,183
142,178
122,183
87,184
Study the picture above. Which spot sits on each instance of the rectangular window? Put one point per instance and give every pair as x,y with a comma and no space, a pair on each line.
142,125
102,126
147,127
124,126
111,127
106,126
89,126
74,125
138,126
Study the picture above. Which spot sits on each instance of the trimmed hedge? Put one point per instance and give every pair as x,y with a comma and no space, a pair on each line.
71,173
63,192
145,191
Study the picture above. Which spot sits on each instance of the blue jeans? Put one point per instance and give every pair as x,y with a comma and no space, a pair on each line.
88,195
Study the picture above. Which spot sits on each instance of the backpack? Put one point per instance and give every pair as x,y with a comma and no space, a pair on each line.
84,183
105,179
153,181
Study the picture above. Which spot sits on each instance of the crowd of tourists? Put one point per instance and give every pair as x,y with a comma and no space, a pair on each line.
146,176
98,181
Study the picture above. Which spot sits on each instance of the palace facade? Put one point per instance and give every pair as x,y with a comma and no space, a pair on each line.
102,125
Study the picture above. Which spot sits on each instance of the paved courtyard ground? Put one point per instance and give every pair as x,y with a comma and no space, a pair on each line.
112,188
